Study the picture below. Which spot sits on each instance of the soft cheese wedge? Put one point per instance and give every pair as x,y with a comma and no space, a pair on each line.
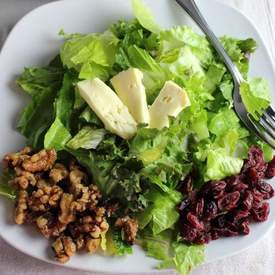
108,107
171,100
130,89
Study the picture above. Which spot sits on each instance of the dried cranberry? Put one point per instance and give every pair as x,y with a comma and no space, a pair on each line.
232,182
266,189
218,189
224,208
255,158
184,204
220,222
247,200
213,188
199,207
270,171
188,233
255,175
203,239
261,214
229,201
194,221
226,232
244,227
186,186
210,211
240,187
239,214
257,198
214,235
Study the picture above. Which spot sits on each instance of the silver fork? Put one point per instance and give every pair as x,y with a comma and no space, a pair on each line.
265,127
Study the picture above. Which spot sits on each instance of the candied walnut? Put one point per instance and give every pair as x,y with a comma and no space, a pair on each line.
16,159
49,225
129,227
67,214
94,225
45,197
21,207
80,204
92,245
77,177
23,178
42,161
64,248
95,196
58,173
73,165
86,197
80,242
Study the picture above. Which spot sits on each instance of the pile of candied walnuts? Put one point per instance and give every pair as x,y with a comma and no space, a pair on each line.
61,202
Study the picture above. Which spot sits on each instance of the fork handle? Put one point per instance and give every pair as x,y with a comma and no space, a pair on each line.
192,9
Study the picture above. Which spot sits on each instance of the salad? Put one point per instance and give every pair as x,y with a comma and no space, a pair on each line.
131,138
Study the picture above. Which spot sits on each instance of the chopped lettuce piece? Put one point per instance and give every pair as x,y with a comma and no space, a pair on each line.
144,16
173,253
57,136
91,55
42,84
185,258
181,61
90,117
5,189
35,81
154,76
220,165
223,121
115,244
161,214
180,36
87,138
256,96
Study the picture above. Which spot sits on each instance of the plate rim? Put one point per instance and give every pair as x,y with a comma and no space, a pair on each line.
207,261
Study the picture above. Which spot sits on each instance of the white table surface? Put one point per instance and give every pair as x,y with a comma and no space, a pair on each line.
257,260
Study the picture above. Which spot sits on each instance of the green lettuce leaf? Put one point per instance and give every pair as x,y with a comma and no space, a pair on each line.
181,61
87,138
144,16
256,96
223,121
115,244
42,84
171,252
161,214
185,258
65,101
5,189
91,55
163,154
220,165
57,136
154,76
180,36
35,81
90,117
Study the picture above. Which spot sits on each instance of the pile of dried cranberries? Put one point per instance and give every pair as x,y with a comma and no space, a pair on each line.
225,208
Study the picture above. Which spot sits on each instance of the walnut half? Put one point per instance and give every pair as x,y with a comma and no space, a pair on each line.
64,248
21,207
42,161
129,227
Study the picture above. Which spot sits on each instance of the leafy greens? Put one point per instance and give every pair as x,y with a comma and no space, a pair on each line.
144,172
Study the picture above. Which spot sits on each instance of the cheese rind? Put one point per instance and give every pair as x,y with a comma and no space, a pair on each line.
130,89
171,100
108,107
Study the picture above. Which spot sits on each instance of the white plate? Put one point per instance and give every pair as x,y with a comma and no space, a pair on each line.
34,41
